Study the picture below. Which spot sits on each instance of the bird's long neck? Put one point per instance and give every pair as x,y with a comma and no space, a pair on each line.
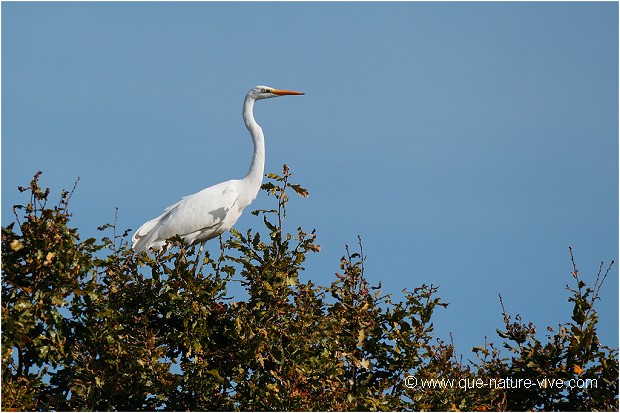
254,177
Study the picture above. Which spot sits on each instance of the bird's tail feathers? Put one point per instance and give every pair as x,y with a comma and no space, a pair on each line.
145,236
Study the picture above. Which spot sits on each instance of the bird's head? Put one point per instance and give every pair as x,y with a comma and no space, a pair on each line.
266,92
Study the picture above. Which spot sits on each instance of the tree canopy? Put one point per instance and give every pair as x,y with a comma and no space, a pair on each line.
89,325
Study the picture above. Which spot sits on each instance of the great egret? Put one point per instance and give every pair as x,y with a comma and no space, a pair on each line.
207,214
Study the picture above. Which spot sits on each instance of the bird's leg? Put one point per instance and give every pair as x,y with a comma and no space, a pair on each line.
202,245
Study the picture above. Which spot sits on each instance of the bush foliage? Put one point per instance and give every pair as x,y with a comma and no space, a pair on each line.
89,325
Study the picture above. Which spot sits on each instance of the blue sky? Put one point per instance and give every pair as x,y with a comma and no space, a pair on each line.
469,144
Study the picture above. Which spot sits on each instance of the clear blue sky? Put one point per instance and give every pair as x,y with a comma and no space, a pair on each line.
469,144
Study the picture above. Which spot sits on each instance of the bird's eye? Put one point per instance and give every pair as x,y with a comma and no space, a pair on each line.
265,90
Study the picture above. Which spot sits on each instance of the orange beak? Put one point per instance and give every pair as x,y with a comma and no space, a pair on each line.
286,92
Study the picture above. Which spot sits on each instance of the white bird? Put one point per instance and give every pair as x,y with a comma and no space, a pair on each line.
207,214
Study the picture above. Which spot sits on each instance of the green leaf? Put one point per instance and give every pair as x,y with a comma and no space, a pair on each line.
16,245
503,334
361,335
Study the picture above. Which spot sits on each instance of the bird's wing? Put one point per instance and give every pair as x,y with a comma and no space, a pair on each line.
197,217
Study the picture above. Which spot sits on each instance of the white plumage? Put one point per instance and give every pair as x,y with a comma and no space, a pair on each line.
204,215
